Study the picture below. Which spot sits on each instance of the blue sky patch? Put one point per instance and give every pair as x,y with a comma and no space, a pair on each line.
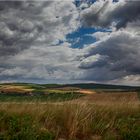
82,37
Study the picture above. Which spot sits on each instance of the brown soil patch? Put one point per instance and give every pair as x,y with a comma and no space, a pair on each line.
86,91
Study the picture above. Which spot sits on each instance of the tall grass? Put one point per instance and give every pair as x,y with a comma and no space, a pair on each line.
69,121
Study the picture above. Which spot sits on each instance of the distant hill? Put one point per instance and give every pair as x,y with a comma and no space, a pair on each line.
78,85
103,86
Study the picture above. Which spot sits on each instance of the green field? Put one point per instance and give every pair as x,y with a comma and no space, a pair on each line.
53,97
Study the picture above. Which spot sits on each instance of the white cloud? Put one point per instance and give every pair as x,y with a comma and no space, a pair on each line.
31,30
55,62
106,13
24,23
30,49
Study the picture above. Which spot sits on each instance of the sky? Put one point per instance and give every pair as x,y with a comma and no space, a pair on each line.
70,41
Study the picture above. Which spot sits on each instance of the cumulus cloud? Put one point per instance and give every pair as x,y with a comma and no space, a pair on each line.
106,13
44,62
34,47
29,32
24,23
127,80
116,56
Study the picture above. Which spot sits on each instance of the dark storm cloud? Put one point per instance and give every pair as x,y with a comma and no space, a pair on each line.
104,13
117,55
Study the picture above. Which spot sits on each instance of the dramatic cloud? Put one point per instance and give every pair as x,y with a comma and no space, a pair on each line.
106,13
24,23
29,34
44,62
116,55
34,46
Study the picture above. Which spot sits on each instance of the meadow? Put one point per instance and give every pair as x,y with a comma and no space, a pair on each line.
66,114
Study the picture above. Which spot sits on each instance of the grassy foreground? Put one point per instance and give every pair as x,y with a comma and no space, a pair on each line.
69,121
52,97
69,112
